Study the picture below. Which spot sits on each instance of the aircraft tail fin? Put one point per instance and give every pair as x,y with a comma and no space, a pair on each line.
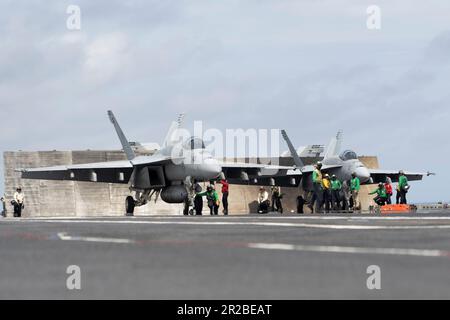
175,125
298,162
334,147
123,140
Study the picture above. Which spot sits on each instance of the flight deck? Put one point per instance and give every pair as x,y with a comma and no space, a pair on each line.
216,257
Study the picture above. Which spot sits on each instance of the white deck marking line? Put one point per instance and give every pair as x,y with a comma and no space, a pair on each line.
245,218
358,218
357,250
66,237
351,218
264,224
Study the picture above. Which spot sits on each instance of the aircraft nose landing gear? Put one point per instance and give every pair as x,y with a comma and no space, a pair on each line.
130,204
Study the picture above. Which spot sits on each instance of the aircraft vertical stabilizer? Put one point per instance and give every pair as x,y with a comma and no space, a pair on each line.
298,162
171,134
123,140
334,147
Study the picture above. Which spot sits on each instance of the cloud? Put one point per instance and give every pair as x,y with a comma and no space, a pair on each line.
105,57
311,67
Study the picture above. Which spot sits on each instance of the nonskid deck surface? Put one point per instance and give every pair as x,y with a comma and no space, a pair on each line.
212,257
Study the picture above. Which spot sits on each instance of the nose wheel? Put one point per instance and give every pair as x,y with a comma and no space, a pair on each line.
130,204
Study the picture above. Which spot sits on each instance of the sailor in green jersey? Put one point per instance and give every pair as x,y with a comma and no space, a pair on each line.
317,188
402,186
336,187
355,186
213,199
381,197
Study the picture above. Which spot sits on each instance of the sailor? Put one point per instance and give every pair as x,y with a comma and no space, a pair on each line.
198,200
276,199
225,187
18,202
403,186
336,187
213,199
317,188
263,200
3,204
388,187
346,195
381,197
397,194
300,203
355,186
326,187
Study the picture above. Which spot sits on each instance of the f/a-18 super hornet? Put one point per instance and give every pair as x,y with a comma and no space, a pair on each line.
343,164
167,174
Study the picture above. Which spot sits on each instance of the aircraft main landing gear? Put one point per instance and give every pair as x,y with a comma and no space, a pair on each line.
142,197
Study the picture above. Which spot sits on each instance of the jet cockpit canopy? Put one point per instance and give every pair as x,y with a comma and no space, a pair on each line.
194,143
348,155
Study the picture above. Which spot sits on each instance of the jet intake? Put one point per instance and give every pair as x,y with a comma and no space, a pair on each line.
174,194
148,177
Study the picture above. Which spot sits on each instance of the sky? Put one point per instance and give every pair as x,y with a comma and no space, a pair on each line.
312,67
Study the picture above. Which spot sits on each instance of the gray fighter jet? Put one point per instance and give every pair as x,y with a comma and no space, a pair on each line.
168,173
343,164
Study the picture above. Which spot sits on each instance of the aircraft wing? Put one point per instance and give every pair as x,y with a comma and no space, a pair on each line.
379,175
113,172
108,172
310,168
253,169
291,179
261,174
253,165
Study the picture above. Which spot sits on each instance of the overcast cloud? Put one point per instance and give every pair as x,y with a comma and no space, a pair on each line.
311,67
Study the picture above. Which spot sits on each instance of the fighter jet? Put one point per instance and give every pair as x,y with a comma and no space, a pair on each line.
343,164
168,173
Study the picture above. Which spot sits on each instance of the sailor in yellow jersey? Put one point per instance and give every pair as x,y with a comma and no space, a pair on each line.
326,195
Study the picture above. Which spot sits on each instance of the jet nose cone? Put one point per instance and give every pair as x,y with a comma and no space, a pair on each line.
212,168
363,174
